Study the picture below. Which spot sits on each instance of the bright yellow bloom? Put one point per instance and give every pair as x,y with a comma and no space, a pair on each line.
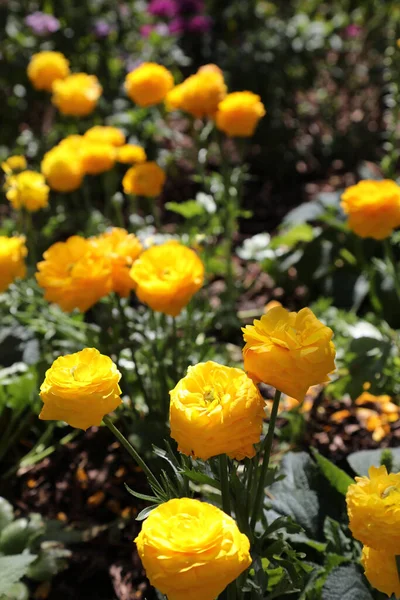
216,410
290,351
381,571
373,208
191,550
373,506
105,135
62,167
27,190
130,154
97,158
73,142
77,95
12,265
74,274
80,389
148,84
145,179
13,164
47,67
122,249
167,276
239,113
199,94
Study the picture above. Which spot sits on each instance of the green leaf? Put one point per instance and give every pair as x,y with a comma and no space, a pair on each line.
188,209
12,569
339,543
145,512
336,477
145,497
345,583
6,513
201,478
299,233
361,461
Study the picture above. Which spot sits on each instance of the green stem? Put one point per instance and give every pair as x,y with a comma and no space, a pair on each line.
224,478
131,450
230,222
398,565
392,264
267,446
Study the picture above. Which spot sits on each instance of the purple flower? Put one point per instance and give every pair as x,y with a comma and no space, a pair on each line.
199,24
42,23
353,31
189,6
162,8
102,29
146,30
177,26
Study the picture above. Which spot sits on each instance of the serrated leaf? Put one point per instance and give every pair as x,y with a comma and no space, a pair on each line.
336,477
12,569
345,583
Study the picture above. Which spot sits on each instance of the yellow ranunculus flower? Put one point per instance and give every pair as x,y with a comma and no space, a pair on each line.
148,84
77,95
167,276
97,158
146,179
74,274
290,351
122,249
373,506
199,94
216,410
191,550
130,154
27,190
80,389
12,265
381,571
62,167
47,67
239,113
13,164
105,134
373,208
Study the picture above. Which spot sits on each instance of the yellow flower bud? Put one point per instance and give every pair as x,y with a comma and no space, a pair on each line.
167,276
373,208
145,179
199,94
14,164
216,410
77,94
290,351
27,190
191,549
80,389
12,265
373,506
148,84
239,113
104,134
62,167
130,154
47,67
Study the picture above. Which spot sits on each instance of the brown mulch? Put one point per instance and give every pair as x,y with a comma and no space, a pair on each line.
82,486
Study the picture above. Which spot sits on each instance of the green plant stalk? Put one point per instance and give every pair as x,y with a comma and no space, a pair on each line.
392,263
230,216
398,565
224,477
370,271
131,450
267,447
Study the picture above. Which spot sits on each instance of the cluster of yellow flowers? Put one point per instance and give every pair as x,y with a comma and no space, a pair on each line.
202,95
188,546
24,189
373,208
78,272
95,152
373,506
74,94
